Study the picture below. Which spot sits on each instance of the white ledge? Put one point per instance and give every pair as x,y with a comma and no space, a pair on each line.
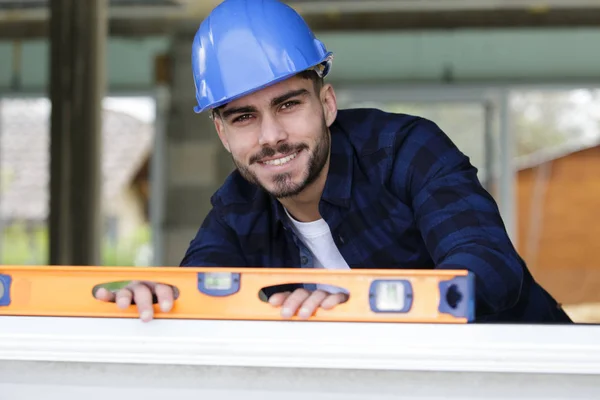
571,349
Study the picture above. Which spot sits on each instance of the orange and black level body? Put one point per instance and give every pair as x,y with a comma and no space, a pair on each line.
417,296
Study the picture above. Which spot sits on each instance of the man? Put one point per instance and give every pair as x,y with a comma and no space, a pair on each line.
322,188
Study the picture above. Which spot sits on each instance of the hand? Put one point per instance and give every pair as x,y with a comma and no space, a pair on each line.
142,293
306,302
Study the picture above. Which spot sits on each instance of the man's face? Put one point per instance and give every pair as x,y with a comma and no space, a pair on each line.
279,136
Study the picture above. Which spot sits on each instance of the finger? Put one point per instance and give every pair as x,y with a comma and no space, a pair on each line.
293,302
333,300
123,298
278,298
165,296
104,294
312,303
143,300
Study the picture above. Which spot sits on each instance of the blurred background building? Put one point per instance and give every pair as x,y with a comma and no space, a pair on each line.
515,83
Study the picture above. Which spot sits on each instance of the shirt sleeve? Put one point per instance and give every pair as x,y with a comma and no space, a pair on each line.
458,219
215,245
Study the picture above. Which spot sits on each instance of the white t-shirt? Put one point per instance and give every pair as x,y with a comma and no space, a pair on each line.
317,237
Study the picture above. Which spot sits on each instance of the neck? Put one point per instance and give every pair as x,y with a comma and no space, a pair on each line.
304,207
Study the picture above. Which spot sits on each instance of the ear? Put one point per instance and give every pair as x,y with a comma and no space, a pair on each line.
329,101
221,132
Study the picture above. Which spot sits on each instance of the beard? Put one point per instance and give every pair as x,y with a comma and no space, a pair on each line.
283,184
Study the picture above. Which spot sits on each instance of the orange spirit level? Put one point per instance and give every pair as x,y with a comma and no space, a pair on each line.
424,296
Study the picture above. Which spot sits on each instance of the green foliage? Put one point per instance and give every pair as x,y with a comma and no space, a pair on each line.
538,121
125,251
22,245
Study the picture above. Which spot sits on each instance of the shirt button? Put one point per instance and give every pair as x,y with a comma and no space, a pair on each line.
341,239
304,260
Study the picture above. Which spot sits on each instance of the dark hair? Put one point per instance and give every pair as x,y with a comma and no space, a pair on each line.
309,74
312,75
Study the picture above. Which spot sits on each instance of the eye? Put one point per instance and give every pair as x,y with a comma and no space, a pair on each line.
242,118
289,104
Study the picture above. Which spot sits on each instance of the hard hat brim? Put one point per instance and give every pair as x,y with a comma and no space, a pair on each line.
327,61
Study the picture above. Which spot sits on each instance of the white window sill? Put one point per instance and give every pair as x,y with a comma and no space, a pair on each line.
481,348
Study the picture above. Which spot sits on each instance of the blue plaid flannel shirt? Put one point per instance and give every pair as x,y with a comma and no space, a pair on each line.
399,194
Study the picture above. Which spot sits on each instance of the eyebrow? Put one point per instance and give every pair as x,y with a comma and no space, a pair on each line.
277,100
238,110
287,96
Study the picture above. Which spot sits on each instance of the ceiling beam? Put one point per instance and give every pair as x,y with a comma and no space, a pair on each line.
353,6
418,20
367,21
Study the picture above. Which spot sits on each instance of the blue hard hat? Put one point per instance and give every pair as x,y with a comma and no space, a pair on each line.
246,45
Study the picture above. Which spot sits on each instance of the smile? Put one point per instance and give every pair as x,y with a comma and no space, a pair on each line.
282,160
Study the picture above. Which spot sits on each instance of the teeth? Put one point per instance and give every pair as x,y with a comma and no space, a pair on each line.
281,161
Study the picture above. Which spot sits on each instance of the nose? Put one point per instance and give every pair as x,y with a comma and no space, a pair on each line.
272,131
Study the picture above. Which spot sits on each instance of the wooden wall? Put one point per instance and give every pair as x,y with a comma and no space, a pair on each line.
559,225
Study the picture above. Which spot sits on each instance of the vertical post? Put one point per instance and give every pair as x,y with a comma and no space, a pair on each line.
78,31
16,78
2,216
157,166
488,145
508,199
